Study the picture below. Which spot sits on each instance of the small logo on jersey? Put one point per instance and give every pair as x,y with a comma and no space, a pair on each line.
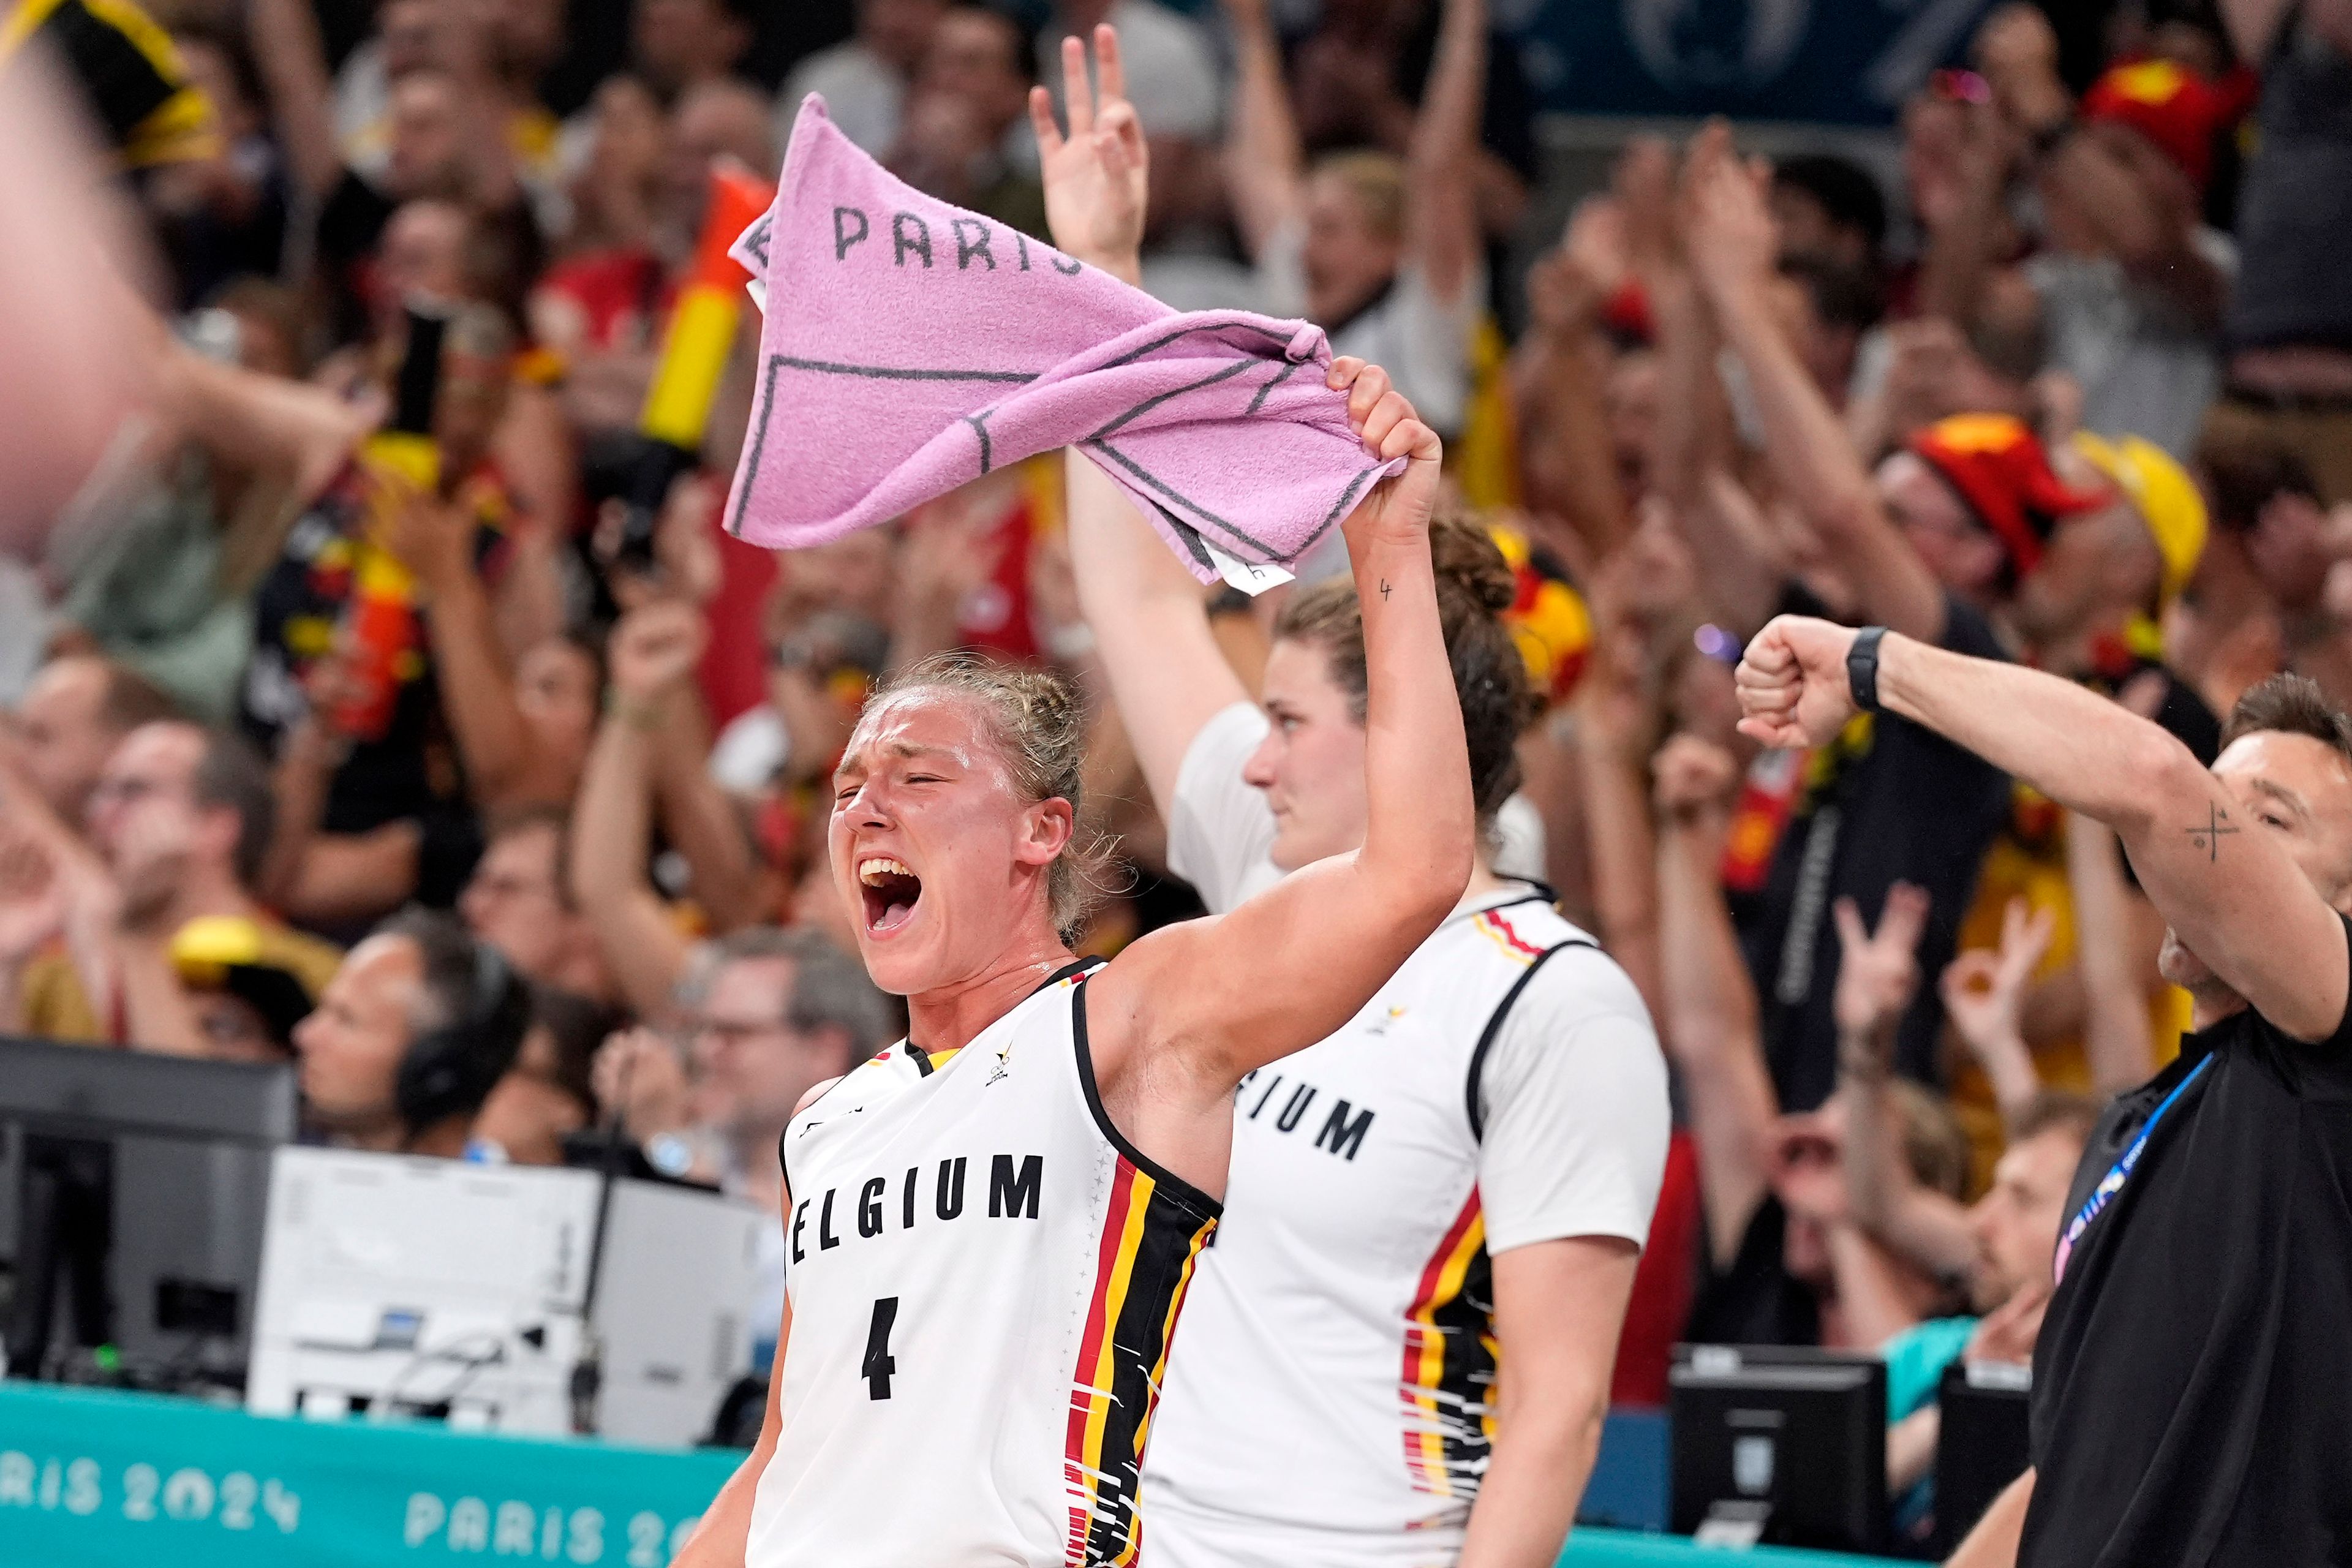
999,1071
1381,1024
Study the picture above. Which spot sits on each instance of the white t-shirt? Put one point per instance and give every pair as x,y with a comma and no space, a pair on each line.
1330,1403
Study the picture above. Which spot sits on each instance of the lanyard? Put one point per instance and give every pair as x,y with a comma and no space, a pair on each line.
2113,1182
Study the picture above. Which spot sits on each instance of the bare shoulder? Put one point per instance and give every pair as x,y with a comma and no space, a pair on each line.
817,1092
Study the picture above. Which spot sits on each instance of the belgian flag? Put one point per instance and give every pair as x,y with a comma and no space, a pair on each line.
130,73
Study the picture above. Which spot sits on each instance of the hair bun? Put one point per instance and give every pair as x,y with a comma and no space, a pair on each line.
1466,559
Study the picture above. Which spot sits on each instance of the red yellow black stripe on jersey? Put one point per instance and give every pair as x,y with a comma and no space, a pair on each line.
1503,934
130,72
1152,1239
1450,1357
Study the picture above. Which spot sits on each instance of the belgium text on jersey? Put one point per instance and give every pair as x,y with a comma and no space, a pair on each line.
1013,1191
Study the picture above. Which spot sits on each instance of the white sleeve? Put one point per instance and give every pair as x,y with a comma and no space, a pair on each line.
1573,1092
1436,336
1220,831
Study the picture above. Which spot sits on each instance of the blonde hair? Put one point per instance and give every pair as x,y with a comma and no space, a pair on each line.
1377,180
1039,729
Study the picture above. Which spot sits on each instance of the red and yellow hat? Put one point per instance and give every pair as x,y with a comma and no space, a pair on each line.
1997,466
2173,107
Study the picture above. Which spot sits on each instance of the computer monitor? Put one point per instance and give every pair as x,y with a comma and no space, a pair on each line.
132,1185
1782,1445
1982,1442
409,1289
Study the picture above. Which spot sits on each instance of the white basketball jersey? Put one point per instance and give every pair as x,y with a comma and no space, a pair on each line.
984,1277
1334,1403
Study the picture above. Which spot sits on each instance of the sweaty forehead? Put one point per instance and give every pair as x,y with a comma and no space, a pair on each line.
920,720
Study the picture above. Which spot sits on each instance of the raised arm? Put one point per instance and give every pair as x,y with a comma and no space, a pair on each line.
1711,1023
1167,676
293,64
653,651
1555,394
2218,857
1213,1000
1878,973
1264,168
1731,247
434,540
1442,231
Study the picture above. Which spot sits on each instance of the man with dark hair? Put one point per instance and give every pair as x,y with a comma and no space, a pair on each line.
2194,1342
1830,208
180,820
73,714
410,1037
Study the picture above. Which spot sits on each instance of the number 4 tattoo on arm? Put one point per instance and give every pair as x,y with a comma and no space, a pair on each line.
1384,590
2209,837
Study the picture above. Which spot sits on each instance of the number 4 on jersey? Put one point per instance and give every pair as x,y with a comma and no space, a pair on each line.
879,1362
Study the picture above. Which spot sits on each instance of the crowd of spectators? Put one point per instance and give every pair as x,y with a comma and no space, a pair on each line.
2073,387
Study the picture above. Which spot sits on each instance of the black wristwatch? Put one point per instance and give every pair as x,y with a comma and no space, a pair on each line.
1862,668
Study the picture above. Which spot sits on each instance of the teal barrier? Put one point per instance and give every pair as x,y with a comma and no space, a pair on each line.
98,1480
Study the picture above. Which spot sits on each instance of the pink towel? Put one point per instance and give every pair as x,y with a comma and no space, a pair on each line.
910,346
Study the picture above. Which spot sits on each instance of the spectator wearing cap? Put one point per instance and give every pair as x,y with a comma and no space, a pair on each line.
2289,330
180,821
1888,803
2129,284
249,983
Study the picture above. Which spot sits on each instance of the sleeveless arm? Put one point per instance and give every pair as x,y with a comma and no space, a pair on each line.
1218,997
724,1533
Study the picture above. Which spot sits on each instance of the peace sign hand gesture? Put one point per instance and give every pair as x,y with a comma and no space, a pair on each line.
1099,177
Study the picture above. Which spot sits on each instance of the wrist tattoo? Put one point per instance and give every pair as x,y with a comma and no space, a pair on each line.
1384,590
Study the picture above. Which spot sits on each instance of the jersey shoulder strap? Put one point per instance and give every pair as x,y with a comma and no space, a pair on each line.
1486,1036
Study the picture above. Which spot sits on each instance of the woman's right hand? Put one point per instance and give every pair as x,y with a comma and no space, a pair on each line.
1984,991
1098,179
1396,510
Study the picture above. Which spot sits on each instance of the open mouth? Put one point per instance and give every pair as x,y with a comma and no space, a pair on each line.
891,893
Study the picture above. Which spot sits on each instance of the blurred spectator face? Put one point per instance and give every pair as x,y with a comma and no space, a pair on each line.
529,1113
526,36
942,146
1965,558
975,55
680,42
210,71
855,573
513,903
146,823
427,148
63,739
1809,1178
898,30
477,369
2092,567
624,157
232,1028
2299,789
423,254
2016,1222
411,33
1311,762
714,121
1631,397
1807,229
555,688
350,1046
752,1061
1350,255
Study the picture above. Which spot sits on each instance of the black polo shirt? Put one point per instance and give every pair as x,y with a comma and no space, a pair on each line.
2194,1374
